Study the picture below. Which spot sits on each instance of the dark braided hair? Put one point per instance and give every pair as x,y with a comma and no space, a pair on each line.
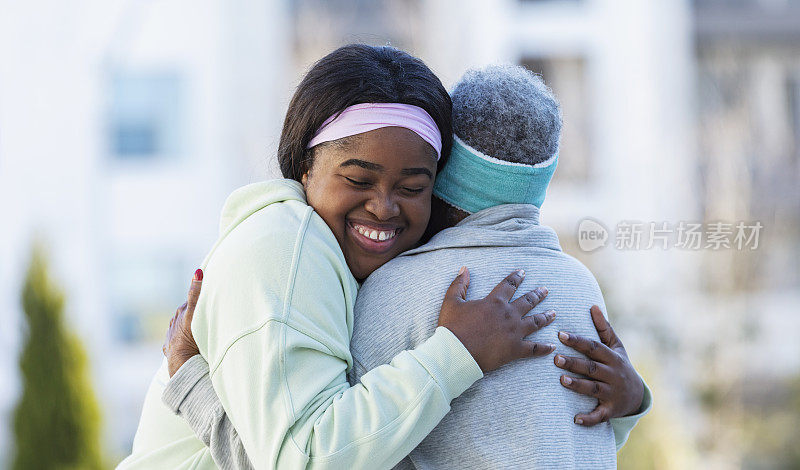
354,74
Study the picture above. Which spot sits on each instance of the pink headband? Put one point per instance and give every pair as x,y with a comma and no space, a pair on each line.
366,117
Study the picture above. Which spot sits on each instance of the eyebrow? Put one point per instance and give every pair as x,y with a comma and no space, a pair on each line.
417,171
375,167
362,164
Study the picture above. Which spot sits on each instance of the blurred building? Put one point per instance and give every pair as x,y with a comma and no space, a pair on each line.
123,126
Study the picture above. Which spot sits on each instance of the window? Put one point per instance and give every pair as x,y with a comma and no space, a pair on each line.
144,290
146,115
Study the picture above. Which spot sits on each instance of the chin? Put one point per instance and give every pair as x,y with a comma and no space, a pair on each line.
362,271
360,275
359,271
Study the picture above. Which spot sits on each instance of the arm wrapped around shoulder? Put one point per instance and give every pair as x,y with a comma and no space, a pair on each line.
280,361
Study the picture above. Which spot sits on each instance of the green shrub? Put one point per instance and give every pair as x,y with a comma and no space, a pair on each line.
57,420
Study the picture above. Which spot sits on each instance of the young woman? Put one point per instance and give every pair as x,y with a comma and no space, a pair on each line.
364,135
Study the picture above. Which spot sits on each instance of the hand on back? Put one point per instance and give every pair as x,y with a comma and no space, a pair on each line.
610,376
493,328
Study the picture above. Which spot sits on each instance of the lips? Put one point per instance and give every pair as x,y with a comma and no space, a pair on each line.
373,238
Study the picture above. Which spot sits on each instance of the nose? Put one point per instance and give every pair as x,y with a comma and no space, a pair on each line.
383,206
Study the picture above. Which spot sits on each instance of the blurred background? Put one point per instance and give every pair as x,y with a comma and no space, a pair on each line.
125,124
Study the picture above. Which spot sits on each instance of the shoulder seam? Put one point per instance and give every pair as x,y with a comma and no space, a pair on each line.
290,282
246,332
254,329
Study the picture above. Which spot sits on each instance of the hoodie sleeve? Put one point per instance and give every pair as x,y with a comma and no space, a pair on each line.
624,425
280,373
190,395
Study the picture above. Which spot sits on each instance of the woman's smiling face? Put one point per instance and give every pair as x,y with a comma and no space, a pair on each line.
374,192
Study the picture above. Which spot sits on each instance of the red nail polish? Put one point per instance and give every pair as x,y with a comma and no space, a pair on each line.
198,275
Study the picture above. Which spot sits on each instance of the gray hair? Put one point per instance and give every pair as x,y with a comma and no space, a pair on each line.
507,112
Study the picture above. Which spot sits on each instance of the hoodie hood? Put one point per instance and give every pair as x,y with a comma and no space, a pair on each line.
250,199
506,225
247,200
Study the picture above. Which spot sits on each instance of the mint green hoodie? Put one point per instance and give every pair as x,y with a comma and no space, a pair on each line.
274,322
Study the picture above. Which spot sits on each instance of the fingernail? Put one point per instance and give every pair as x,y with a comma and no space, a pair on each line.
461,271
567,380
541,291
521,272
198,275
563,335
550,313
560,361
578,421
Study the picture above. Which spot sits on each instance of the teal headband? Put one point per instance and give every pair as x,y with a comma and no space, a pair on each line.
472,181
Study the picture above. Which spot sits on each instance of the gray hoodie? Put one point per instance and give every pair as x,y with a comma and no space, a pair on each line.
518,416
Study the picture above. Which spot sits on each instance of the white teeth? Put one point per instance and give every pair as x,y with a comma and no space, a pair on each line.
375,234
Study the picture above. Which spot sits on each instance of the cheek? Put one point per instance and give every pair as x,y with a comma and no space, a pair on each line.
418,214
317,196
331,201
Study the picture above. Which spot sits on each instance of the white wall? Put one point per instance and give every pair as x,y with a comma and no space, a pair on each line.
58,180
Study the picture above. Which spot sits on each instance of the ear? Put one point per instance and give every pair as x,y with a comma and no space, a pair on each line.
304,180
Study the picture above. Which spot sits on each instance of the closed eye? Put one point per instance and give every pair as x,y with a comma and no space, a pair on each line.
360,184
414,190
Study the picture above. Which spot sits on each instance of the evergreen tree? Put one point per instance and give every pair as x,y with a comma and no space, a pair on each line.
56,423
